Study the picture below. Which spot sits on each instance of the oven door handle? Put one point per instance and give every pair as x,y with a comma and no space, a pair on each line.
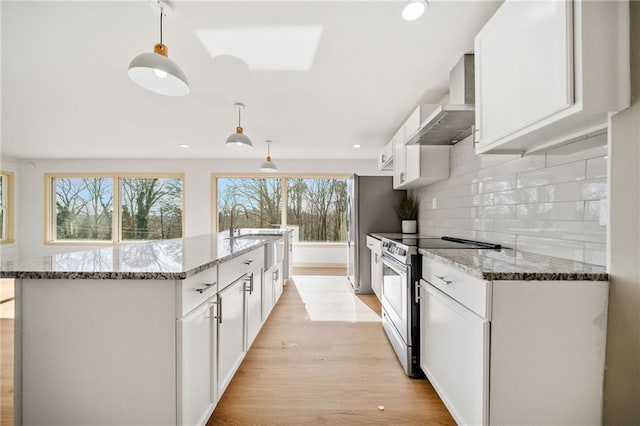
397,266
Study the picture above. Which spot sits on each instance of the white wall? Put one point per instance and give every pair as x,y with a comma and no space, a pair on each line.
319,255
197,194
622,377
547,203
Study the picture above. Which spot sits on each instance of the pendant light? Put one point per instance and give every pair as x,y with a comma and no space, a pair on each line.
155,71
238,140
268,166
413,9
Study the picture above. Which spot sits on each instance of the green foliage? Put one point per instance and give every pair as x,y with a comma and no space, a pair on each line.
408,208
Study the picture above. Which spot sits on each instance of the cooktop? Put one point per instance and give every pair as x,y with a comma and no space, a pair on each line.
426,242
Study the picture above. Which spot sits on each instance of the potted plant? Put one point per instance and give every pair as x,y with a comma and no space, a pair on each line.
408,212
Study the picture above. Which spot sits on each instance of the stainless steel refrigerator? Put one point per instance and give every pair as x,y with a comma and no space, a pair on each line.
371,207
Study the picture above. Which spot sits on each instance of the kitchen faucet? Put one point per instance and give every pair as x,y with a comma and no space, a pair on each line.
231,228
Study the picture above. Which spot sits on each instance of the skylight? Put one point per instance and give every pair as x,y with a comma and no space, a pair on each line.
274,48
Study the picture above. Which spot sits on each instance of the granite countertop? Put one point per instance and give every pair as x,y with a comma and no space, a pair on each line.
508,264
174,259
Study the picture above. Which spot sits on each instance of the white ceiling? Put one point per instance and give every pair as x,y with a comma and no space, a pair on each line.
66,92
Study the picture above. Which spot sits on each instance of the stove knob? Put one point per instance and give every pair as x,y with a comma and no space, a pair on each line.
402,252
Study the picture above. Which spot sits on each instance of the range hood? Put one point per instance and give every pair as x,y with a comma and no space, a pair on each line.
450,123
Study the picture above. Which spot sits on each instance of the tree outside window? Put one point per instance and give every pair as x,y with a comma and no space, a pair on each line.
147,208
315,207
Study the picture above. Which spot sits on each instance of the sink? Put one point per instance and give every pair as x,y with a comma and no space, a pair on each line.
274,252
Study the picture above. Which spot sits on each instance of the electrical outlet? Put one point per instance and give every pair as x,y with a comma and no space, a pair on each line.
434,203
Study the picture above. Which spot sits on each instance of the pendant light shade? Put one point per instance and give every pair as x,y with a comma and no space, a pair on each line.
238,140
268,166
156,72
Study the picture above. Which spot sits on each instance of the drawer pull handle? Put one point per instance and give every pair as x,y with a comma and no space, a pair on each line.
206,287
248,262
447,282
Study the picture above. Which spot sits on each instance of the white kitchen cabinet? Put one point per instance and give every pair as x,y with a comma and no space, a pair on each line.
530,96
231,331
268,293
454,355
490,348
253,288
375,246
417,165
278,283
197,334
385,157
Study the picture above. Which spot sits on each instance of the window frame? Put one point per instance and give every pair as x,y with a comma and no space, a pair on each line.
283,182
116,237
7,193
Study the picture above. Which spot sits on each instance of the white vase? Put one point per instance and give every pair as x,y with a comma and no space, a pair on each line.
409,226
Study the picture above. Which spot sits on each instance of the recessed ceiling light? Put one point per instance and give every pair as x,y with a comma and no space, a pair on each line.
184,145
276,48
357,145
414,9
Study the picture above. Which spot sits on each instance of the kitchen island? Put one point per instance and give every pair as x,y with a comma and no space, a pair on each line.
146,333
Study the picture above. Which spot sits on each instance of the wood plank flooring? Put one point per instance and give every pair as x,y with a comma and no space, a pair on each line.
304,372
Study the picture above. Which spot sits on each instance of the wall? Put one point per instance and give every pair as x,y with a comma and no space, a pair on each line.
622,377
9,250
546,203
197,193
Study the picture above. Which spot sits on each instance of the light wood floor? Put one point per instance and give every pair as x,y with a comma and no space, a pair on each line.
304,372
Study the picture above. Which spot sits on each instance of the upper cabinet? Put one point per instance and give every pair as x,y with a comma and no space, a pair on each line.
385,157
549,71
416,165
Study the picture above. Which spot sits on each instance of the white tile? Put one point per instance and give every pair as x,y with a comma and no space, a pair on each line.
483,200
595,254
580,150
496,212
497,184
597,168
570,172
489,160
575,191
592,210
572,250
518,196
530,162
519,226
558,211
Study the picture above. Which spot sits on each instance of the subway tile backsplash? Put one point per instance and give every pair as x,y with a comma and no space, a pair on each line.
547,203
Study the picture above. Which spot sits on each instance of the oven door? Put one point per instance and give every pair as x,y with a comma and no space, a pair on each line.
395,295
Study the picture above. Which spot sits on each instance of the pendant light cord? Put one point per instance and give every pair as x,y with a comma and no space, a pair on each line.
161,13
239,123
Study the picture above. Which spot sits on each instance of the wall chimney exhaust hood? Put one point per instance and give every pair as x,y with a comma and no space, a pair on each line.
452,122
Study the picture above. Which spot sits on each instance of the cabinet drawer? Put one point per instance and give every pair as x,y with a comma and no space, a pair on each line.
374,244
473,293
235,268
198,288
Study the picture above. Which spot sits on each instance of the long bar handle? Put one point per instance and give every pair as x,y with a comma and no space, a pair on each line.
249,280
418,297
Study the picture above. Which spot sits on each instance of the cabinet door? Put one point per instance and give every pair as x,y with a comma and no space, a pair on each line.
231,341
413,157
519,79
197,332
399,148
253,289
267,293
376,272
454,355
277,282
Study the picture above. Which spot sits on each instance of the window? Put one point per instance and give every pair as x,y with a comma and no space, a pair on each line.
6,207
146,208
315,206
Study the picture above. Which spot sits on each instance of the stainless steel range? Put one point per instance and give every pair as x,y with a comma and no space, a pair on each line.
401,268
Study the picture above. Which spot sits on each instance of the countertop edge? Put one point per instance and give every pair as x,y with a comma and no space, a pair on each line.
517,275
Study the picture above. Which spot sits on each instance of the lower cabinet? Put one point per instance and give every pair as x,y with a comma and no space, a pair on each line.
197,334
268,292
375,246
454,355
231,331
253,289
278,283
513,352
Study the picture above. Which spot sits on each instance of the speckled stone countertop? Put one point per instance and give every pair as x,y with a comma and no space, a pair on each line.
508,264
156,260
